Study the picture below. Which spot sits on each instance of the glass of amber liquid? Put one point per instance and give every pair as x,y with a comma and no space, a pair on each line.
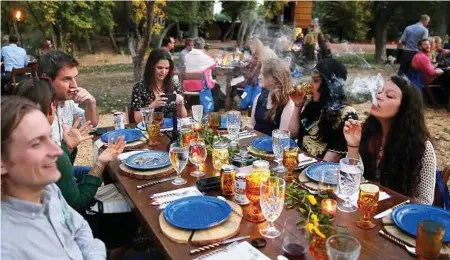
187,135
214,120
367,205
290,161
153,133
429,239
158,117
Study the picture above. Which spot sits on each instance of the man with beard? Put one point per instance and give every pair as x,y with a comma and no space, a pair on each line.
422,62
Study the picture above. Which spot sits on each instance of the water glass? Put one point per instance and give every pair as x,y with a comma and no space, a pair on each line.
324,188
146,113
295,238
280,140
179,156
367,204
350,174
197,113
197,156
343,247
233,125
429,239
272,202
290,161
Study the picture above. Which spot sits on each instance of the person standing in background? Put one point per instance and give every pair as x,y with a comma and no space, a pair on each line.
410,42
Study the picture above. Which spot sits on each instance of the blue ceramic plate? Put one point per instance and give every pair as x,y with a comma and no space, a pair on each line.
408,217
197,212
148,160
168,123
313,172
129,134
265,144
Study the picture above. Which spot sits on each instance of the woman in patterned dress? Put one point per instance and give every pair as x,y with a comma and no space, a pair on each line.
394,142
158,81
318,119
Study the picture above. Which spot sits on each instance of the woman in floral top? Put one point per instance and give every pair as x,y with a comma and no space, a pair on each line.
158,80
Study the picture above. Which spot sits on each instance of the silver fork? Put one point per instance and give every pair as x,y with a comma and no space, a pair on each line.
175,193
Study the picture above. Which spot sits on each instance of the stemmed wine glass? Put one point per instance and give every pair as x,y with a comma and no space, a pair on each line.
350,174
197,113
179,157
147,113
197,156
272,201
233,125
280,140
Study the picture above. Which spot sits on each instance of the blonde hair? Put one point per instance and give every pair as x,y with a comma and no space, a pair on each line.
309,39
280,72
257,48
437,39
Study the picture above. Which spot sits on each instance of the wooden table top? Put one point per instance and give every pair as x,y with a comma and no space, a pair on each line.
373,245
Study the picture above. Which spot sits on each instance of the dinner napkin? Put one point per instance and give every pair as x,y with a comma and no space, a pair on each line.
243,135
241,251
303,160
190,191
354,199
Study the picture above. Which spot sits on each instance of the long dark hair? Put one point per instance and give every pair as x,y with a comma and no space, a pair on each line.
404,145
149,77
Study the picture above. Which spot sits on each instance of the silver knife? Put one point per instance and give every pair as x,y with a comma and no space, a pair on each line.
228,241
154,182
389,211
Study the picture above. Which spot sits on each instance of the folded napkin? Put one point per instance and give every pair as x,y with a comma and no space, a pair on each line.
180,193
241,251
303,160
354,199
242,135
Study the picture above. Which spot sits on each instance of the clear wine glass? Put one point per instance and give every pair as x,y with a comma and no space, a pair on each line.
179,156
147,113
280,140
350,174
272,202
233,125
197,113
197,156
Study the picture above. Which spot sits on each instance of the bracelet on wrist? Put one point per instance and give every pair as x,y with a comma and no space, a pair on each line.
353,146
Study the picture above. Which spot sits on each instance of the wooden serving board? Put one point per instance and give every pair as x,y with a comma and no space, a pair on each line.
145,175
226,230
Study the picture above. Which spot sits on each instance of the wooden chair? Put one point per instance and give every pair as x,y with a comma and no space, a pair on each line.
438,199
27,72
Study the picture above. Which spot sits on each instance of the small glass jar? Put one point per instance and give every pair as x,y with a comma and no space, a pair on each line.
220,155
259,174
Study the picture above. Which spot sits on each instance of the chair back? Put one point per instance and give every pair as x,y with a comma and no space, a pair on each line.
192,81
441,193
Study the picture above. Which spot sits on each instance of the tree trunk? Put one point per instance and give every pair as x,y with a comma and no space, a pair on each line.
88,42
17,32
193,30
138,59
61,39
113,41
231,35
380,41
164,33
230,29
441,19
54,38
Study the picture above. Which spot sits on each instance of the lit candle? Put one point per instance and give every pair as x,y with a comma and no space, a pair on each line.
196,126
329,207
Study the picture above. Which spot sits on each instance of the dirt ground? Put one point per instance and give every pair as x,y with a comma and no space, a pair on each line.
112,85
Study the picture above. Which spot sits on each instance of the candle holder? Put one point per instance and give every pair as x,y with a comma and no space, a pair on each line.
329,207
259,174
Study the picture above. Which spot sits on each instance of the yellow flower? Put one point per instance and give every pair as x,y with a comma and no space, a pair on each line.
315,220
310,227
311,199
320,234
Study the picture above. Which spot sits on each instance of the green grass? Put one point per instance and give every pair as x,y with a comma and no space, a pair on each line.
357,60
106,68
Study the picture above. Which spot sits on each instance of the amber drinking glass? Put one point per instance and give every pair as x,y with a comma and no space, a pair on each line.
214,120
290,161
158,117
260,173
317,244
153,133
367,205
187,135
429,239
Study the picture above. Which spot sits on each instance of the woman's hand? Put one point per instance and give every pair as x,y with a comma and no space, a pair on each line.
179,99
73,137
298,97
111,153
160,101
352,132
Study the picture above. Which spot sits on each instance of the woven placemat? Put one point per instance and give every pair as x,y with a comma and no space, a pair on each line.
305,181
392,229
146,175
264,155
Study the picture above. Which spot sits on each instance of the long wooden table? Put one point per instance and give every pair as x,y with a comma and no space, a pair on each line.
373,245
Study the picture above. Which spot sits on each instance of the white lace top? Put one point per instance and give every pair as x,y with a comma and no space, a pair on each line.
425,189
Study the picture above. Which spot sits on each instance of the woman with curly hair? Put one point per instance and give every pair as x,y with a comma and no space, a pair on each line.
394,142
318,119
272,108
